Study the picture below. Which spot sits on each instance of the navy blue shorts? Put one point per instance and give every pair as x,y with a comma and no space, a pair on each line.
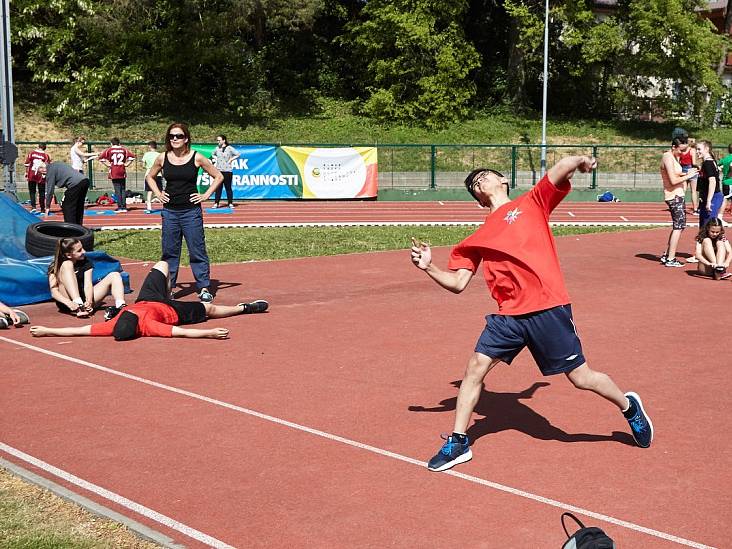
550,336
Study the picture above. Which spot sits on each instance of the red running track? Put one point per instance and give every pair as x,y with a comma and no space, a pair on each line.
308,428
353,212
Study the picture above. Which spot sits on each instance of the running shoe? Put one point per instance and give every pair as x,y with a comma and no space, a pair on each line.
4,322
692,259
258,306
673,263
640,423
24,319
205,296
452,453
664,258
112,311
725,276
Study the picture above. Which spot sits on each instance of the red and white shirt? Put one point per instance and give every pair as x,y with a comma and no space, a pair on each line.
31,165
117,156
519,255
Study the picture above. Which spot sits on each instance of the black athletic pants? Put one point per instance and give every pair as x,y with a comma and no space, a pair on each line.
120,190
41,194
73,206
229,191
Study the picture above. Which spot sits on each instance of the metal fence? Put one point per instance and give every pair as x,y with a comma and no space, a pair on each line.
422,167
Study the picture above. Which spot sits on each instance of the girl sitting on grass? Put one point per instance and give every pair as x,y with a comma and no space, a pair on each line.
70,279
713,250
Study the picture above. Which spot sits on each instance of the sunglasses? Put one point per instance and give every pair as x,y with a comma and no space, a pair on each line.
176,136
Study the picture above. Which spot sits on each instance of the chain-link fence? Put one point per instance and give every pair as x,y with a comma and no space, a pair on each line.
422,167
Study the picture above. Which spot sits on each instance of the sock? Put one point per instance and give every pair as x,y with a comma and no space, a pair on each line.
119,303
78,301
631,411
460,437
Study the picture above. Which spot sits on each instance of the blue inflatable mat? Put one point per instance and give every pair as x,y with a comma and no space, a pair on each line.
23,277
220,210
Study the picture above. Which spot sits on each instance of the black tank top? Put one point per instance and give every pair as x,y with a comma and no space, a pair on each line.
180,183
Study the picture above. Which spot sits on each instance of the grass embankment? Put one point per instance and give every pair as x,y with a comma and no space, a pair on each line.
258,244
334,122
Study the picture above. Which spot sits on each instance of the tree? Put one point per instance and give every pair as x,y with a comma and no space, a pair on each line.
417,61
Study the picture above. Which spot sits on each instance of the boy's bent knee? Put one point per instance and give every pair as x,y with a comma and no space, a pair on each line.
162,266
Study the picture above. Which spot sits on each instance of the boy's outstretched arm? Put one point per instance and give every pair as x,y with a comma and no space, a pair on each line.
43,331
455,281
197,333
565,168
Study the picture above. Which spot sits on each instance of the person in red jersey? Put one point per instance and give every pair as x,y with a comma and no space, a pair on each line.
155,314
522,271
117,158
35,179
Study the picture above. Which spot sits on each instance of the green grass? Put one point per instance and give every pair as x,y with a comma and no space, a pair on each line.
258,244
33,518
334,122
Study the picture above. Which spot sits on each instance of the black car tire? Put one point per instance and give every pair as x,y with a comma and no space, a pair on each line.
41,238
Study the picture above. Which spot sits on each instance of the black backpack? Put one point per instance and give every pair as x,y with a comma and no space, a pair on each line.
586,538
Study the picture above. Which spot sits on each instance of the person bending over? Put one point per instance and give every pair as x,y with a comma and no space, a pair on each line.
70,276
713,250
521,268
14,317
155,314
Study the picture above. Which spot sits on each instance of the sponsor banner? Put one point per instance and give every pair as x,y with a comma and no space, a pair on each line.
268,172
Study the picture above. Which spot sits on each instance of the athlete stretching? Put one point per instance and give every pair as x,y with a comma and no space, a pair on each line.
155,314
521,268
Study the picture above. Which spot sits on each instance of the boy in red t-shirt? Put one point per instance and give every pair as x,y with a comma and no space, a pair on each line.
36,179
117,158
155,314
521,268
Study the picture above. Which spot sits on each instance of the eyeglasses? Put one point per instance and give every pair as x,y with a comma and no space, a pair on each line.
480,178
176,136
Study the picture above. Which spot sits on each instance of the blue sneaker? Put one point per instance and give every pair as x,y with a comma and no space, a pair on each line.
452,453
205,296
640,423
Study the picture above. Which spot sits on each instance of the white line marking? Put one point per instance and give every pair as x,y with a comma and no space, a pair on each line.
367,447
623,218
396,224
116,498
571,214
440,202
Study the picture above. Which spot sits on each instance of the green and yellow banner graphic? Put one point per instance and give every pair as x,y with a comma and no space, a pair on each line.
268,172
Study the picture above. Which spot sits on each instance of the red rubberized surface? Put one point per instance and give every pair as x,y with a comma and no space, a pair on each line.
300,212
365,347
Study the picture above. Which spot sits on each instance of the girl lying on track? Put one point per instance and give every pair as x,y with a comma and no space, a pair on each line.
713,250
155,314
70,279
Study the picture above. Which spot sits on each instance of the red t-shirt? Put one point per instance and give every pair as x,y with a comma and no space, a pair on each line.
117,156
31,165
155,319
516,246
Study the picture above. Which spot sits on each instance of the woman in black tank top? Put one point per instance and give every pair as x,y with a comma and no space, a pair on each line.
181,183
182,215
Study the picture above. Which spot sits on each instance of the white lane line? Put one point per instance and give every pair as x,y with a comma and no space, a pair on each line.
116,498
440,202
367,447
623,218
571,214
